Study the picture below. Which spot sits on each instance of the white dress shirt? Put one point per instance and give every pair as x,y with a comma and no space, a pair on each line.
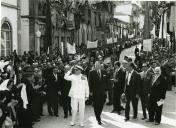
129,77
79,85
55,75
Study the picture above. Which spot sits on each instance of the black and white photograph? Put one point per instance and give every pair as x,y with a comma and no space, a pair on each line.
87,64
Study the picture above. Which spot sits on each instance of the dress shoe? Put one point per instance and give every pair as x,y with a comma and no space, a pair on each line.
113,111
65,116
42,114
126,119
82,124
149,120
51,114
134,117
109,103
119,113
143,118
56,115
156,123
122,108
72,123
99,122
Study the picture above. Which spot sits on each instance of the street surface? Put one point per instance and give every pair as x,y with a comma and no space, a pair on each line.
112,120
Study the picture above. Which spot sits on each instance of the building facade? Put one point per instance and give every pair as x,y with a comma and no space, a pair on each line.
10,27
32,25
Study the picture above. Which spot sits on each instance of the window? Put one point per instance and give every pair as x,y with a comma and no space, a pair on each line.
6,39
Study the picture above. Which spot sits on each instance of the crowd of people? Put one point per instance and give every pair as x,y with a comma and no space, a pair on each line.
28,82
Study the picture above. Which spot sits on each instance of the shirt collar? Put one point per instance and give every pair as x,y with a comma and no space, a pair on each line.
132,71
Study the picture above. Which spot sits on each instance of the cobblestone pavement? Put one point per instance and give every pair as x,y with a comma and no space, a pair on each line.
111,120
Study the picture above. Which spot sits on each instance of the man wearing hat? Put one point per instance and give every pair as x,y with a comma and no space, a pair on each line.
54,81
146,84
25,114
79,92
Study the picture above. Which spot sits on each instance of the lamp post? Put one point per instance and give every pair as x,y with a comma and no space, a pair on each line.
37,45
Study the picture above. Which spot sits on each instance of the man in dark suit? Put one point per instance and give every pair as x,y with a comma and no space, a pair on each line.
146,78
132,83
152,67
118,89
53,82
98,82
157,94
65,88
25,114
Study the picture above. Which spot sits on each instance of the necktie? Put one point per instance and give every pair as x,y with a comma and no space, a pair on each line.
55,76
128,78
98,71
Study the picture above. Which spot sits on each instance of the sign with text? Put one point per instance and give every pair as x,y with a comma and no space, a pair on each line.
71,49
92,44
147,45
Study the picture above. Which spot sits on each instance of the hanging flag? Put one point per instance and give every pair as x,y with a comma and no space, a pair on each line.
174,39
48,51
172,20
147,45
153,31
121,31
115,39
163,26
71,49
62,48
109,40
92,44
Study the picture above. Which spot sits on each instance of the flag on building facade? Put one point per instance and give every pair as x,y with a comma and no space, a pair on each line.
147,45
163,26
153,31
172,20
92,44
71,49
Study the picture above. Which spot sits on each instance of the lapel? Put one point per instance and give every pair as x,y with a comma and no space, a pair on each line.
97,75
155,82
132,76
55,77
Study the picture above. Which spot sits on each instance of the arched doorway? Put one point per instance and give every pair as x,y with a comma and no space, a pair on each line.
6,39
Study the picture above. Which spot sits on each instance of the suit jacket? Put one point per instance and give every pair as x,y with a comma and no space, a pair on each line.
31,94
86,71
65,86
151,71
158,89
97,85
53,85
120,84
134,85
146,82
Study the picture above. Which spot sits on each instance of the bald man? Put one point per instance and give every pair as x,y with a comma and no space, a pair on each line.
157,96
98,82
